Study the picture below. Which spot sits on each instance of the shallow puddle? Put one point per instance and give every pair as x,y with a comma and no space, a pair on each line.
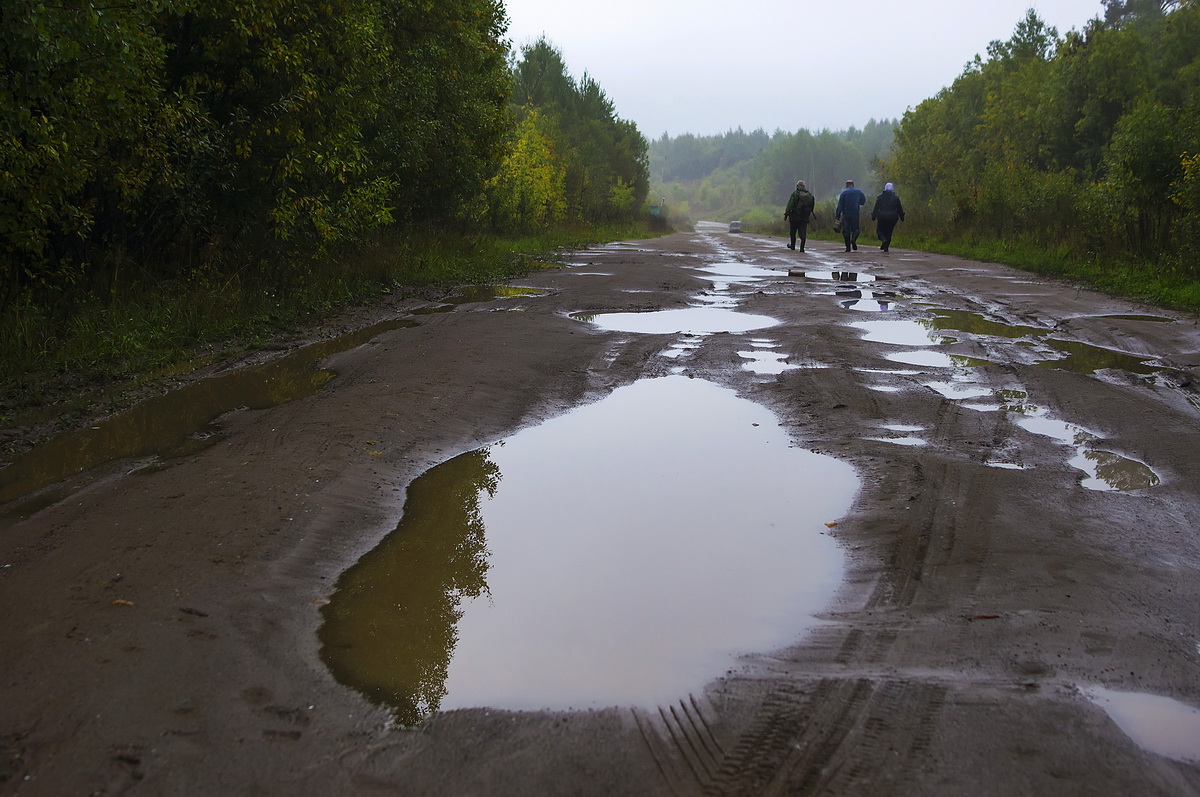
622,554
1151,318
956,390
696,320
765,362
736,271
935,359
1105,470
834,276
172,424
900,333
684,346
869,305
479,293
865,294
900,440
1083,358
1159,724
976,324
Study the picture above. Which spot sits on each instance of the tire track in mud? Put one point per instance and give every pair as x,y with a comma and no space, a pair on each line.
837,735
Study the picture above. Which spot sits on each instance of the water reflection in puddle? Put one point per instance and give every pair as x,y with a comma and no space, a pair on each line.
686,345
735,271
899,440
690,319
479,293
1159,724
1105,470
168,424
869,305
1151,318
622,554
976,324
900,333
1083,358
934,359
765,362
865,294
956,390
833,276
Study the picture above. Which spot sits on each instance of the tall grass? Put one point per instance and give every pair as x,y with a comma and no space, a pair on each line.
155,328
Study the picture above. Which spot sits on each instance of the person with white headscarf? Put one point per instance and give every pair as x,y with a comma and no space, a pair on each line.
885,214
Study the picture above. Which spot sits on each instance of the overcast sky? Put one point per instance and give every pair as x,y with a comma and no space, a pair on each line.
706,67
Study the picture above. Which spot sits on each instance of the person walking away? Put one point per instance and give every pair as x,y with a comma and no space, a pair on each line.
849,201
885,214
799,207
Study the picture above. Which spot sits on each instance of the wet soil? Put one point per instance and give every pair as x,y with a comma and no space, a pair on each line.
160,612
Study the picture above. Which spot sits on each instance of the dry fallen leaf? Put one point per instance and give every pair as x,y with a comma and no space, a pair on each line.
831,524
119,602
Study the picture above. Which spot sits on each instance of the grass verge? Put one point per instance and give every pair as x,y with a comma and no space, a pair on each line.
154,332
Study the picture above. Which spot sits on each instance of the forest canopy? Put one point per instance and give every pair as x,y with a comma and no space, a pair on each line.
739,174
169,137
1090,140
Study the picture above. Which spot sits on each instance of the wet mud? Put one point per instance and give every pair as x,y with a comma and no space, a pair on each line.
1011,606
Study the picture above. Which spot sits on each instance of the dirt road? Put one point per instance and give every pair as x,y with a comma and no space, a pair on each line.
1026,534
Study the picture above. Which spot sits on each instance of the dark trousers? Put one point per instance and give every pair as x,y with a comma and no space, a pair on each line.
850,229
884,227
799,228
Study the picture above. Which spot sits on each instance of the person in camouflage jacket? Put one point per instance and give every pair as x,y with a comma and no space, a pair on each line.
799,208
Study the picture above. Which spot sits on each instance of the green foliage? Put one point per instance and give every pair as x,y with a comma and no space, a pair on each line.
149,138
605,174
528,193
80,128
1085,142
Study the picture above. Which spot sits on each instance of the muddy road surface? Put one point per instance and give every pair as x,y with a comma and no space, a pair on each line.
1007,596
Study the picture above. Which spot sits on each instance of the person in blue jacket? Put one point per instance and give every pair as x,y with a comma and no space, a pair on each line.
849,201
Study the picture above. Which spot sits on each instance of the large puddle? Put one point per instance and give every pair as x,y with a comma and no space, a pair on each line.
623,554
174,423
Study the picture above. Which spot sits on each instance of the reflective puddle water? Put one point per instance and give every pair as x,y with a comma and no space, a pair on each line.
976,324
869,305
834,276
479,293
1083,358
1159,724
1105,470
689,319
763,359
169,425
900,333
1151,318
735,271
934,359
855,293
623,554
